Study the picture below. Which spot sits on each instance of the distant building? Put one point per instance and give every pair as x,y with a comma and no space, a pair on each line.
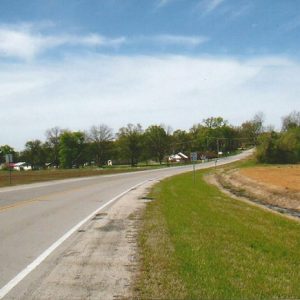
21,166
179,157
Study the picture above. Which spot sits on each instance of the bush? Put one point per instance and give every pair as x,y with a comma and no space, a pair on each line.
279,147
289,146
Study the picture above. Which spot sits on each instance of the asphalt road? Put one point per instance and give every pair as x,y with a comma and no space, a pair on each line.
35,216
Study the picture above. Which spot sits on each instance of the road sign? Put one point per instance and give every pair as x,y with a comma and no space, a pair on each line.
8,158
194,159
193,156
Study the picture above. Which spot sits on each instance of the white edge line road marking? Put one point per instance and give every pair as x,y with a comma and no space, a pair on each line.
19,277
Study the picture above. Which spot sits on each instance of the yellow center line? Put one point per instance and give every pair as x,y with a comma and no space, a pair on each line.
19,204
42,198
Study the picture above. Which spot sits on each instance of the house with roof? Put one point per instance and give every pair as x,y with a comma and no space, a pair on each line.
179,157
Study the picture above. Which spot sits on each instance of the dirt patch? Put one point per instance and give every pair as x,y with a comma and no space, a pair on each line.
113,225
263,187
287,177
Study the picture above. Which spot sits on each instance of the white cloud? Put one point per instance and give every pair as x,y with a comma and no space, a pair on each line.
184,41
24,43
18,44
95,40
176,90
210,5
179,40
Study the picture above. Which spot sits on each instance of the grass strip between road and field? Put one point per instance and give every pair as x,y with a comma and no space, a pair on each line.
26,177
197,243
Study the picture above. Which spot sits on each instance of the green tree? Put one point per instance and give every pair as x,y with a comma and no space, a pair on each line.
289,146
292,120
157,142
214,134
71,149
214,122
6,149
101,138
52,145
181,141
200,135
251,130
267,150
282,147
34,154
130,142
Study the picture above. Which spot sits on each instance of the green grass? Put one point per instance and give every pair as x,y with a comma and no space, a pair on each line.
197,243
245,163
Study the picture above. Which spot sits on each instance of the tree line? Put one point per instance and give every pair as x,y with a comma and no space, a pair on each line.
132,144
281,147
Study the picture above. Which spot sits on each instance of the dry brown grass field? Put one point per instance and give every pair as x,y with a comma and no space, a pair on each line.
274,185
287,177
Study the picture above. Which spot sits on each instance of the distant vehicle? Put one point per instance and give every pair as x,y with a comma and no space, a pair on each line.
22,166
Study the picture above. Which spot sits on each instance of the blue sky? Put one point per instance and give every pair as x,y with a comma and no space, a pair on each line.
228,27
80,63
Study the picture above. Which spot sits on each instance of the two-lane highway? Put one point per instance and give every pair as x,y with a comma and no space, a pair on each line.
35,217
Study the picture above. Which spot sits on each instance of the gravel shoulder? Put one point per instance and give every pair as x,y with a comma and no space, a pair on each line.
97,262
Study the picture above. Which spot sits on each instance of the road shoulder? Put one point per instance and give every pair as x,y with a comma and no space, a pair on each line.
97,262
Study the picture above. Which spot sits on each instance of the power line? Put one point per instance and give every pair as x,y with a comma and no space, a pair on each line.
211,137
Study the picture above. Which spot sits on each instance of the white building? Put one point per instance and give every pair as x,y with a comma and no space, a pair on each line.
179,157
20,166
